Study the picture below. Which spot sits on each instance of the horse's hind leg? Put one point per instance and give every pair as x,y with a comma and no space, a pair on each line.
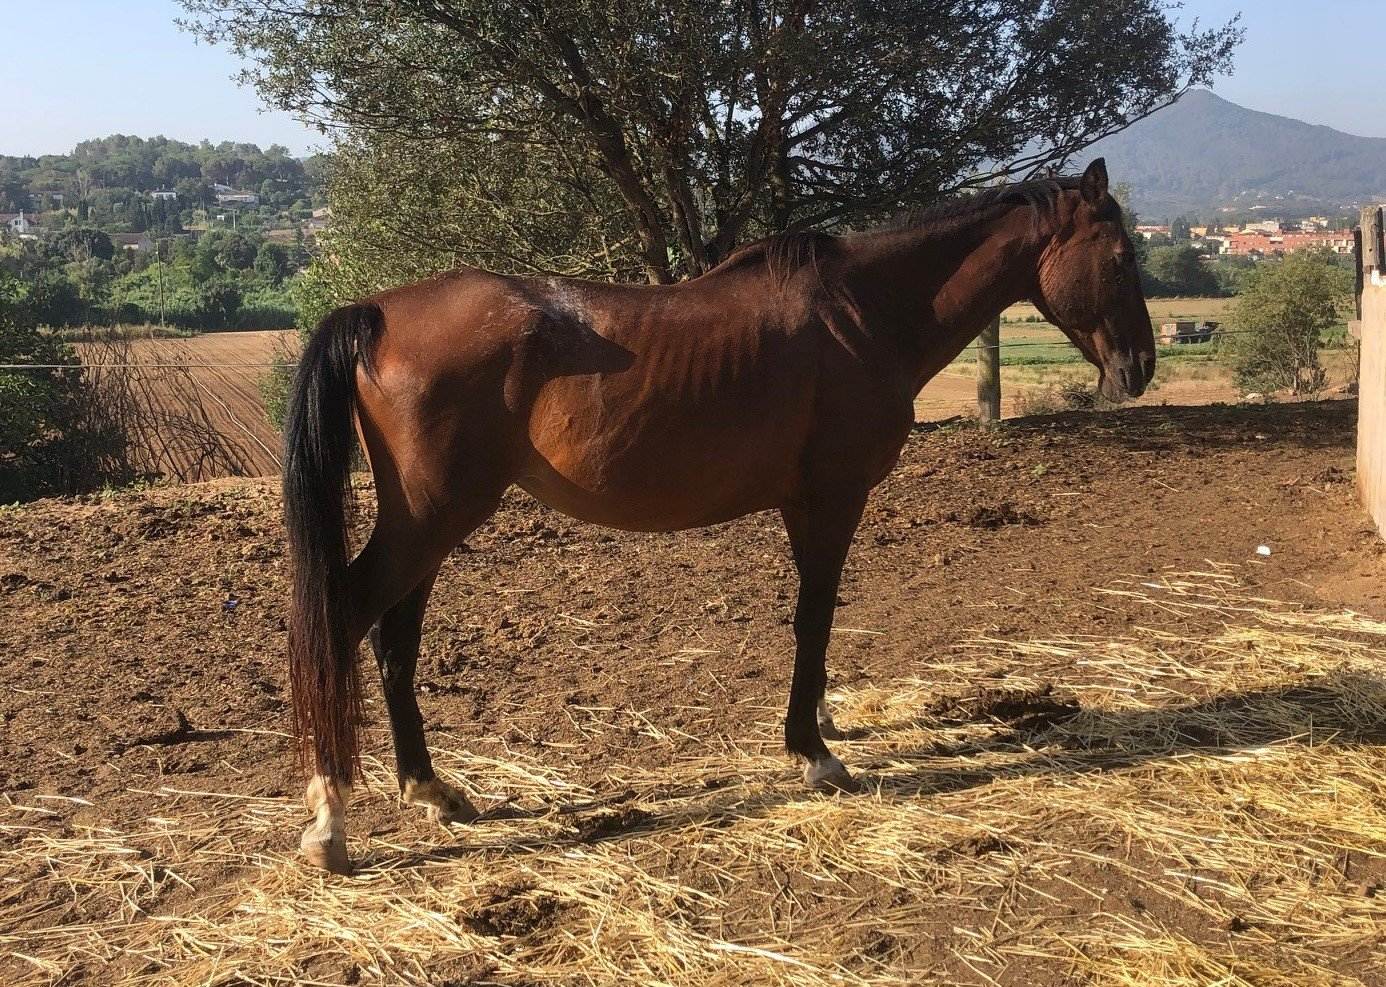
395,640
403,552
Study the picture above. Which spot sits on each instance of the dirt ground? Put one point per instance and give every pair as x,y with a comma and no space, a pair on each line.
144,689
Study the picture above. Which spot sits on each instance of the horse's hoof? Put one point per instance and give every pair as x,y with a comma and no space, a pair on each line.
329,854
446,805
829,731
829,775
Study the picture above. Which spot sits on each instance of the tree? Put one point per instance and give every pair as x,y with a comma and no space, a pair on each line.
1180,231
218,301
83,243
1179,271
47,442
653,138
1281,316
272,262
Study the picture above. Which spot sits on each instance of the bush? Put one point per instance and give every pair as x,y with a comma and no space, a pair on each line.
1280,319
328,282
1179,271
274,390
49,443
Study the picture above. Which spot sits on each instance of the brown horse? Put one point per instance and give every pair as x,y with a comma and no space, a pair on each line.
783,379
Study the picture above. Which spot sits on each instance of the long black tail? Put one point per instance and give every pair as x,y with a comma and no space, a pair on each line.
319,440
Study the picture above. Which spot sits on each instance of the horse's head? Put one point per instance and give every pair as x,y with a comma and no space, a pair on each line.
1089,286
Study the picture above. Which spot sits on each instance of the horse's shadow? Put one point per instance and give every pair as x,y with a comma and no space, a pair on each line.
1345,709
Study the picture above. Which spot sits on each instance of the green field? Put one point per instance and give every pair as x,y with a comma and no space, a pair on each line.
1028,341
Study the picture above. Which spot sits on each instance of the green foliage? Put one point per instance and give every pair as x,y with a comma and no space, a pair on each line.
214,284
1231,273
217,302
274,390
649,140
82,243
107,180
48,443
1285,310
1179,271
272,263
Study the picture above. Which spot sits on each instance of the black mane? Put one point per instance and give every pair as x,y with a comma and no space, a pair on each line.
1040,194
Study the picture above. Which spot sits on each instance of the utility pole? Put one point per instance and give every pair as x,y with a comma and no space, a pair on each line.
989,372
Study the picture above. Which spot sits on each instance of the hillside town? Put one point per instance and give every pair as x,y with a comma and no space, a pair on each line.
1266,238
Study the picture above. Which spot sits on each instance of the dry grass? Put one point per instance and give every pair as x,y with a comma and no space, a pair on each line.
1220,764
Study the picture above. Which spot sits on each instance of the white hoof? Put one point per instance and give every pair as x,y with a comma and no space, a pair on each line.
445,804
326,850
829,775
324,842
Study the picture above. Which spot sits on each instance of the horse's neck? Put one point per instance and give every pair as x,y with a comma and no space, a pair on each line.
945,285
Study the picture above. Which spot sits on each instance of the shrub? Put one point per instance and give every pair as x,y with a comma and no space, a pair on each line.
1280,320
49,442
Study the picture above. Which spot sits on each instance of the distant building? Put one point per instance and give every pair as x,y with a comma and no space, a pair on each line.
1266,244
140,243
322,219
1151,231
166,194
18,223
1265,226
234,198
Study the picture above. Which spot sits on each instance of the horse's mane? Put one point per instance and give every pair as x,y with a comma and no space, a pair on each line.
1040,194
784,253
781,254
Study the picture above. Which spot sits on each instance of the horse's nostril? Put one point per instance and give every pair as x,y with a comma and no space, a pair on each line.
1148,367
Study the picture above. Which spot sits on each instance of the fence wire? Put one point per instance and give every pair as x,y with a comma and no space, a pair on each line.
1024,344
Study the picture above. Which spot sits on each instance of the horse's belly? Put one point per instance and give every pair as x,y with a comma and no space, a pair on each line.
658,474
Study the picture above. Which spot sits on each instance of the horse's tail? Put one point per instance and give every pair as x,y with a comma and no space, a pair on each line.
319,441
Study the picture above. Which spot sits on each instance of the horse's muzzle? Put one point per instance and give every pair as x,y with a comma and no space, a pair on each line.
1128,376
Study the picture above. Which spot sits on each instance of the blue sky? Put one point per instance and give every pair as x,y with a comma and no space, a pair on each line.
73,69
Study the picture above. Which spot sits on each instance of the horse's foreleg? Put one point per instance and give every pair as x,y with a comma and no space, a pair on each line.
820,535
395,640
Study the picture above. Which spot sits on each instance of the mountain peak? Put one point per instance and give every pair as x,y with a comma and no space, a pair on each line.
1206,153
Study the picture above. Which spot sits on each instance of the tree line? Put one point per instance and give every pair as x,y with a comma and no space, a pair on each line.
223,280
106,182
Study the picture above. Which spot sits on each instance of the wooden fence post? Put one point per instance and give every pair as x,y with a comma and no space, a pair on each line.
989,372
1357,281
1371,383
1371,240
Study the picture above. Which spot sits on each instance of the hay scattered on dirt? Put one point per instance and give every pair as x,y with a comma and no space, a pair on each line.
1223,760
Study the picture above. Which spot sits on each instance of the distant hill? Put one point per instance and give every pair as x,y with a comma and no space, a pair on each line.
1204,153
114,174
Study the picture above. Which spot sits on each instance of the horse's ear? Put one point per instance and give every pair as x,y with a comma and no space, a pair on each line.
1094,182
